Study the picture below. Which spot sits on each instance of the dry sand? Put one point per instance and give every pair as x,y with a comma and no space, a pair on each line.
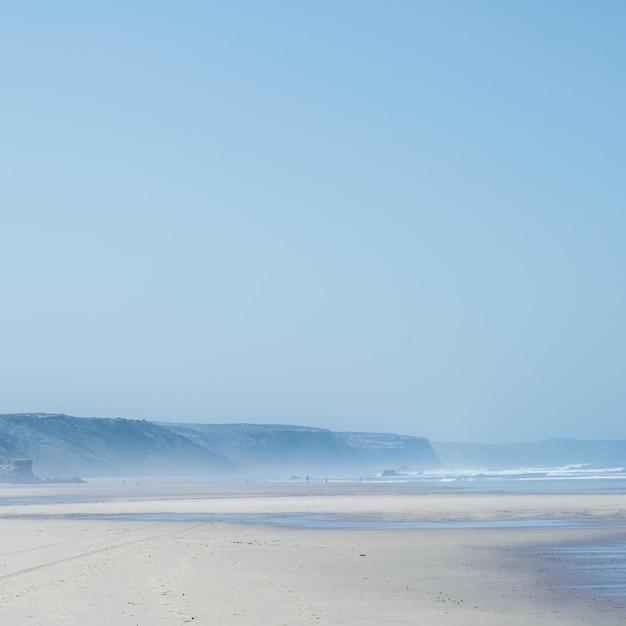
57,569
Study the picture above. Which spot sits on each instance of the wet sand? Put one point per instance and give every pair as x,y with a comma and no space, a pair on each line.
60,564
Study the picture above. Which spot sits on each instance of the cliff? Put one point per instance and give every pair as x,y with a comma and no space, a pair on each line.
62,445
384,449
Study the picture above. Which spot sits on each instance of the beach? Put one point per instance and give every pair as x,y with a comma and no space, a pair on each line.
297,554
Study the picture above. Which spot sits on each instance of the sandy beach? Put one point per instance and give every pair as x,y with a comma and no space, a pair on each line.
61,563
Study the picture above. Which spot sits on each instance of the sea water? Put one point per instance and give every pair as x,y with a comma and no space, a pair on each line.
336,522
597,569
564,479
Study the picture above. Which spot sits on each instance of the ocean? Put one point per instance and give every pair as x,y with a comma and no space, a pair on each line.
565,479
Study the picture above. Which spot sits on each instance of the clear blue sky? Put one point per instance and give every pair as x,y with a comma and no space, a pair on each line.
387,216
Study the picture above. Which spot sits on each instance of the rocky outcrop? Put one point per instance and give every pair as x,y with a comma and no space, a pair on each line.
17,471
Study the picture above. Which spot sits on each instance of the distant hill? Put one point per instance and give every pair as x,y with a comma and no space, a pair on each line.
548,453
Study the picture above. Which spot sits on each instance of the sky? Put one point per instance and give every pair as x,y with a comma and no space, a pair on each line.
390,216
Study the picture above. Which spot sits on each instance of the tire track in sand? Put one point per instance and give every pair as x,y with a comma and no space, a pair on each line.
82,555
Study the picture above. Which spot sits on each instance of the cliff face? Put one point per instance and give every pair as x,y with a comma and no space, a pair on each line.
17,471
65,446
382,449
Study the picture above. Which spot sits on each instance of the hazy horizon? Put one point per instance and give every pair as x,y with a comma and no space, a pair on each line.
397,217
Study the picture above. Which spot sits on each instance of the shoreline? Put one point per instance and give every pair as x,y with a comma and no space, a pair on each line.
161,571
